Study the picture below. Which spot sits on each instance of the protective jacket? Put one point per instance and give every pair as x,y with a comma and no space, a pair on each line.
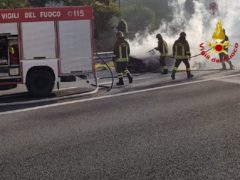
121,50
181,49
162,47
225,39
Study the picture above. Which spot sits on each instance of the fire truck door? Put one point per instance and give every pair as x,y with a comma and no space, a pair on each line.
75,46
3,50
13,50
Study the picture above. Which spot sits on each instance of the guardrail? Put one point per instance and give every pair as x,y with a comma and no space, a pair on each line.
106,56
137,65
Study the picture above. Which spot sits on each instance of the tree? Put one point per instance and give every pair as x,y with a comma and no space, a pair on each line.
4,4
103,14
37,3
138,18
160,9
75,2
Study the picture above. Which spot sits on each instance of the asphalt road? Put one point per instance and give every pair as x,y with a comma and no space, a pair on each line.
190,131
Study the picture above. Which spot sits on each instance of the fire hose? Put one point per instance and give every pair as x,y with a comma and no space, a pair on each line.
194,56
112,76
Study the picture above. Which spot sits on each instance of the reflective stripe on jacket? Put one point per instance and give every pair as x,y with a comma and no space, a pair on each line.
121,50
162,48
123,53
181,49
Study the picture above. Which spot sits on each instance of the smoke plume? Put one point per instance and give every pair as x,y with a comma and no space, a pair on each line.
196,18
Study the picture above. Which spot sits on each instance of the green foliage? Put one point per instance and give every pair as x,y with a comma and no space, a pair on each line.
75,2
37,3
103,14
4,4
159,8
138,18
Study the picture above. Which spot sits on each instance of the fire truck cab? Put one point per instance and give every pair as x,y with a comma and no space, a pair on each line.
42,46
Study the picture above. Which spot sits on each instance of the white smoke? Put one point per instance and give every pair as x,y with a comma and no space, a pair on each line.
199,27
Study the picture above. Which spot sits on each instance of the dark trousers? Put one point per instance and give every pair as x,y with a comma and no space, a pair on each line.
162,62
225,58
121,68
178,62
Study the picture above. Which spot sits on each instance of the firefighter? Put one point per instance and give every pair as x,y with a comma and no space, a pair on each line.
181,52
163,49
122,51
224,57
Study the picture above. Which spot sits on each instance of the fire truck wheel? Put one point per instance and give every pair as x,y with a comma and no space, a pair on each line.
40,83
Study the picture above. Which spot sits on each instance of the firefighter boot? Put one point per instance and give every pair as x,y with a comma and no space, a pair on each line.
231,65
189,75
224,66
130,78
173,74
120,82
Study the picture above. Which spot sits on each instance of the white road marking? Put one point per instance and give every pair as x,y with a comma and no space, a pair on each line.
110,82
68,88
45,100
115,95
56,98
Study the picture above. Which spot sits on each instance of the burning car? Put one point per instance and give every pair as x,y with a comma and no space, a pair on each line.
149,62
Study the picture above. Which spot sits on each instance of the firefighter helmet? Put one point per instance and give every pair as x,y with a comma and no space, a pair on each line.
119,34
159,36
182,34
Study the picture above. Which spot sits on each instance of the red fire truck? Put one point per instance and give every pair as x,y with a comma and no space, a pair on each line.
41,46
